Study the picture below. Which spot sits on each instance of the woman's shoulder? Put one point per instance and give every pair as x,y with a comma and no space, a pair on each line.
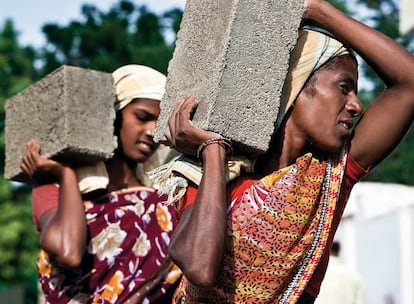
45,190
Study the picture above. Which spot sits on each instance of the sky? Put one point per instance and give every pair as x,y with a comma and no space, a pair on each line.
29,15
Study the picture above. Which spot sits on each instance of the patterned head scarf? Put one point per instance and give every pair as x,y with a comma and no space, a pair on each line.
312,50
131,81
137,81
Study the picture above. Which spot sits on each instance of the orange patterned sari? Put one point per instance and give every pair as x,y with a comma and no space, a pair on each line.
276,233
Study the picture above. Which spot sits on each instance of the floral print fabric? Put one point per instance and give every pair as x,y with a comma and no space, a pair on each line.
129,233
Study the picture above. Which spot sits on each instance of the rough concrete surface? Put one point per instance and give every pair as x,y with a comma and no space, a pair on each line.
69,113
233,56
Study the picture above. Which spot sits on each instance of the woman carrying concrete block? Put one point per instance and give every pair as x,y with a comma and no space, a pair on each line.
265,237
104,234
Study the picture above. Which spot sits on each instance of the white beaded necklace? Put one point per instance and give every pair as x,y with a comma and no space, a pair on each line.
306,260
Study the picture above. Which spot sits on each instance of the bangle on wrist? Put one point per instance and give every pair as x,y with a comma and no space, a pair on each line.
224,142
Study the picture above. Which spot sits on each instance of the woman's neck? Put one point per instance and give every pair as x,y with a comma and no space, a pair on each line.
122,173
284,151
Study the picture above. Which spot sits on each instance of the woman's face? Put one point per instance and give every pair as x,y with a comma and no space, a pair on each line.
139,120
324,110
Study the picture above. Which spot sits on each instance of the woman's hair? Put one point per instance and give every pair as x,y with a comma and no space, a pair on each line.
117,123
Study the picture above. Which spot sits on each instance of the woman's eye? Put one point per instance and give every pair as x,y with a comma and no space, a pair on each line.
142,116
145,116
344,88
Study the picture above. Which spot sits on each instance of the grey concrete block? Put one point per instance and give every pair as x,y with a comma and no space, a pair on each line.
233,56
69,112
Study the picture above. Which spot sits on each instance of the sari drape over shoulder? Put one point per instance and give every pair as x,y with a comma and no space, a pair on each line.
277,231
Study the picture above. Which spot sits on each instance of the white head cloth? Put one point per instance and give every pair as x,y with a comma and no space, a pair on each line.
131,81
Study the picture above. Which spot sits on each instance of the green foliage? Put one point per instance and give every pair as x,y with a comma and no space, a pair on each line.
16,64
173,18
341,5
18,240
104,41
18,235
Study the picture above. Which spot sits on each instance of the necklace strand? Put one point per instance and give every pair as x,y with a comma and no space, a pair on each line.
315,241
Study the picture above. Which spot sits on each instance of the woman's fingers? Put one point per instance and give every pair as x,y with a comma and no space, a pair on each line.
38,168
187,108
184,114
167,135
180,118
27,169
28,164
32,161
181,132
177,117
170,132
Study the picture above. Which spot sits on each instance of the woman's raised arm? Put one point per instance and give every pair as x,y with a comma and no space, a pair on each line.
63,229
390,116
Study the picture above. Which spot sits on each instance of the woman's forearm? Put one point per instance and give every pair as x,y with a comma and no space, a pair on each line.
198,243
64,235
392,112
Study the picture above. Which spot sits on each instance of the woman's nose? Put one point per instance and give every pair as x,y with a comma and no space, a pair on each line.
150,132
151,129
354,106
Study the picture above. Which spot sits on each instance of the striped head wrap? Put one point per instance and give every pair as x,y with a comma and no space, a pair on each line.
312,50
137,81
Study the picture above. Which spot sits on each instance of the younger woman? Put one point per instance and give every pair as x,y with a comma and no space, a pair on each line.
111,247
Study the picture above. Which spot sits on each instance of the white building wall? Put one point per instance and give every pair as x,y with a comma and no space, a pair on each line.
406,15
379,259
377,238
407,252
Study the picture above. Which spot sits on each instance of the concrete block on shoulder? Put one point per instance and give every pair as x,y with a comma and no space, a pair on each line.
233,56
69,113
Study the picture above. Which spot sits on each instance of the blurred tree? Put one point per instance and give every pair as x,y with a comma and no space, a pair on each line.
173,18
18,240
341,4
148,42
16,64
105,41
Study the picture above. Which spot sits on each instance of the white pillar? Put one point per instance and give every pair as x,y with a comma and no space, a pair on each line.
406,15
406,254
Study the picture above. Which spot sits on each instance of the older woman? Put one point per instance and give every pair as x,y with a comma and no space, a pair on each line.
104,234
265,238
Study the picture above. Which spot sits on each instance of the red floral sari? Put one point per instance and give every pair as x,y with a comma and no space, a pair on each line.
126,258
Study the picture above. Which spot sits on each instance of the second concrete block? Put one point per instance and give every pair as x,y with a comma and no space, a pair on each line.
233,56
